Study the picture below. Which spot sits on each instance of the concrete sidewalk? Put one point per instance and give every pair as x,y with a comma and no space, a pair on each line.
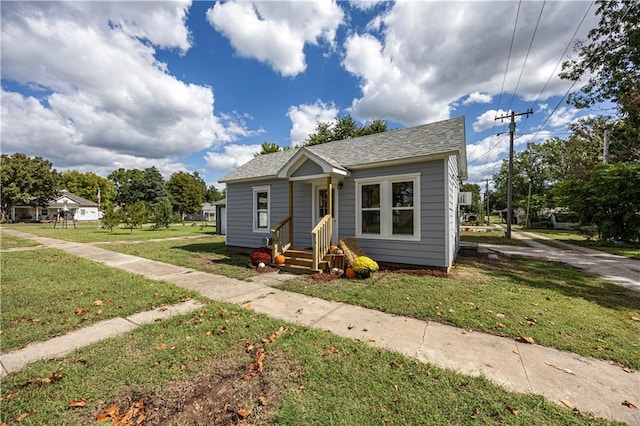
590,385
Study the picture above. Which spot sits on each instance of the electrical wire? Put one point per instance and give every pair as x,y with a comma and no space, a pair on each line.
504,79
524,64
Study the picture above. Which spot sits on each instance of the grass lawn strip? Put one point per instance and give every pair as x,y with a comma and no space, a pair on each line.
488,237
309,378
573,237
8,241
557,306
47,292
208,254
89,232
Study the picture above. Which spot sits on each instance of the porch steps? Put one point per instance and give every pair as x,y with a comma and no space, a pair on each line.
300,262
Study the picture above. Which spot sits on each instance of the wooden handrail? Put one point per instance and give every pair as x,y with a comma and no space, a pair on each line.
281,237
321,239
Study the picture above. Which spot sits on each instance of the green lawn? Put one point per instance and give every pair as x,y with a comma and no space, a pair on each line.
558,306
8,241
47,292
488,237
207,254
309,378
89,232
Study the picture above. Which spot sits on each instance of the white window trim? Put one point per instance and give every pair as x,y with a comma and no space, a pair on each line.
254,215
386,208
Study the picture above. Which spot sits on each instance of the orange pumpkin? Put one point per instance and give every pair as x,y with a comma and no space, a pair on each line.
280,259
350,273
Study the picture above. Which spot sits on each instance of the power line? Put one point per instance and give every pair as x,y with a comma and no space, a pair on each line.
535,103
504,79
524,64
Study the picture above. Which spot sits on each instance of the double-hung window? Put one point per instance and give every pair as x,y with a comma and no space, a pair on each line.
261,205
388,207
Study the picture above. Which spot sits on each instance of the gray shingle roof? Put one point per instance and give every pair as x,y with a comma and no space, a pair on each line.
442,137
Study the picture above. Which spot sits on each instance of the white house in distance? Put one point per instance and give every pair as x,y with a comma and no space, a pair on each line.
68,203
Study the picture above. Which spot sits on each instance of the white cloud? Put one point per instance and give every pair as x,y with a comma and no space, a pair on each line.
366,5
430,54
479,172
305,117
277,32
477,98
231,157
487,120
103,97
562,117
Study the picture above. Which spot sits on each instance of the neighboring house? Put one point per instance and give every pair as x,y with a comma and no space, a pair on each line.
221,216
207,214
396,192
69,204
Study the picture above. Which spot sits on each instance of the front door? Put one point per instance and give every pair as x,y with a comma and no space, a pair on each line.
321,207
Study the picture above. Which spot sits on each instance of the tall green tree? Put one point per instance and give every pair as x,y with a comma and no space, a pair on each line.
186,192
86,185
268,148
133,185
26,181
344,128
610,59
212,194
609,198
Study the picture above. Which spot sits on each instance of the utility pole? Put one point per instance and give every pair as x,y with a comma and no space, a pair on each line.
605,150
486,195
512,131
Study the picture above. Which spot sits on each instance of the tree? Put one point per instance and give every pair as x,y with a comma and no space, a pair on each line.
609,198
86,185
163,214
268,148
343,128
610,57
26,181
138,185
212,194
111,218
135,215
186,192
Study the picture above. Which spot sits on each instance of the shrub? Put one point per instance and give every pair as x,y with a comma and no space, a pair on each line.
364,266
261,255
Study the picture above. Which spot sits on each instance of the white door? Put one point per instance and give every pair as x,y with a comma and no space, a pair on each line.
321,207
223,221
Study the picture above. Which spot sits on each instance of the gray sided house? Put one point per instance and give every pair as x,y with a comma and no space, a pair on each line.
396,192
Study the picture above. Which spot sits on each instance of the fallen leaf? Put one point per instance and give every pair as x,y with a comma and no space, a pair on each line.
35,320
97,302
439,313
350,327
515,352
566,370
530,321
335,350
161,347
243,413
247,306
262,400
630,405
78,403
51,379
488,365
568,404
525,339
512,411
500,315
109,413
634,319
23,416
501,325
203,347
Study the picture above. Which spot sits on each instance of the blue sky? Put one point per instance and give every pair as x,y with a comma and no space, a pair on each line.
94,86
